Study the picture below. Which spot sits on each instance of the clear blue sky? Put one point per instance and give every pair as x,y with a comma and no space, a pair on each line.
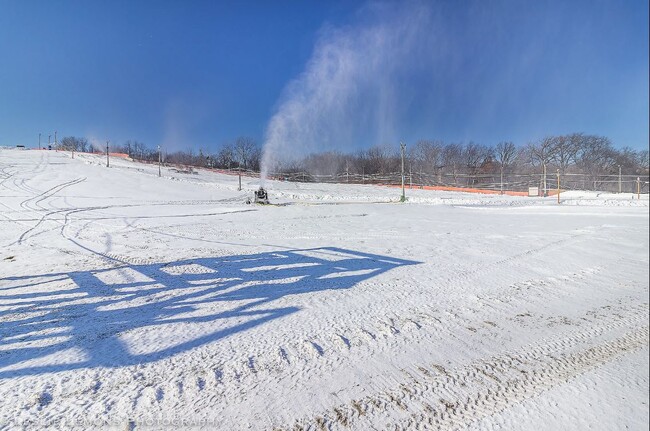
200,73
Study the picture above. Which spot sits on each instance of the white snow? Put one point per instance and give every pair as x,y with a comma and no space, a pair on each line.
129,300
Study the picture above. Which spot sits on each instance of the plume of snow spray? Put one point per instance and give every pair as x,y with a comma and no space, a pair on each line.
348,91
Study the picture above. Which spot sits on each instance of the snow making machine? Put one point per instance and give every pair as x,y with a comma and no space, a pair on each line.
261,196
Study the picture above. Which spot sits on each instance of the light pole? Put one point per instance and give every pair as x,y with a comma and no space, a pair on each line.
49,144
159,174
107,161
402,147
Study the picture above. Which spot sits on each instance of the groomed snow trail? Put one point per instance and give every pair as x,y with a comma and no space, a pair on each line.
128,300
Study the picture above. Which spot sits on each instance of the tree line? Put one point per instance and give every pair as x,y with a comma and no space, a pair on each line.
242,153
587,160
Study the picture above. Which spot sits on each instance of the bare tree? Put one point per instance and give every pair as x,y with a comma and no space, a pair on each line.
379,160
328,163
596,157
72,143
452,159
474,156
540,155
506,155
642,162
426,158
565,149
244,149
225,158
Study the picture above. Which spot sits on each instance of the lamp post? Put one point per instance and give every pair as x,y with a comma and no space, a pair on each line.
107,161
159,158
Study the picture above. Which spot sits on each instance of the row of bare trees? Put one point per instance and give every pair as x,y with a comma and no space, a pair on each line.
585,161
575,153
242,153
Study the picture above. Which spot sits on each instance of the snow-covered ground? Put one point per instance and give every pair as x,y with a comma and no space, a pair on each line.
138,302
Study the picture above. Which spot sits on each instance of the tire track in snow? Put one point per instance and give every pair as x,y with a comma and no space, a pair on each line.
244,375
433,396
39,198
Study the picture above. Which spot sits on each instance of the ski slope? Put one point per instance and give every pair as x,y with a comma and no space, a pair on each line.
132,301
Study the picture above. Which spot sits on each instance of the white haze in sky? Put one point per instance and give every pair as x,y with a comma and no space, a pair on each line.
348,90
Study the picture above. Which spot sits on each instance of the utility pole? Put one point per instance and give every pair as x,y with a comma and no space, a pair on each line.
402,147
159,160
107,161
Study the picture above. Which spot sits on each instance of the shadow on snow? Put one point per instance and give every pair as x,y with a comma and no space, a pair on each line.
81,318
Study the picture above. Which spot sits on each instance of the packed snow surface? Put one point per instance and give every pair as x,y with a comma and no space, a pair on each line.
132,301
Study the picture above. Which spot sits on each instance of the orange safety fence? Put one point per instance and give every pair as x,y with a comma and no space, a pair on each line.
464,189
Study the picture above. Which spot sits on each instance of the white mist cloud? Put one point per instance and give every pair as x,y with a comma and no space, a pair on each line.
181,119
350,90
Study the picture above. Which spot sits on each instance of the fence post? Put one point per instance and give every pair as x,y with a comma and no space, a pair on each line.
502,178
620,183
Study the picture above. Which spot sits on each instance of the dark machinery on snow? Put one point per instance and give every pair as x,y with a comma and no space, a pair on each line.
261,196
